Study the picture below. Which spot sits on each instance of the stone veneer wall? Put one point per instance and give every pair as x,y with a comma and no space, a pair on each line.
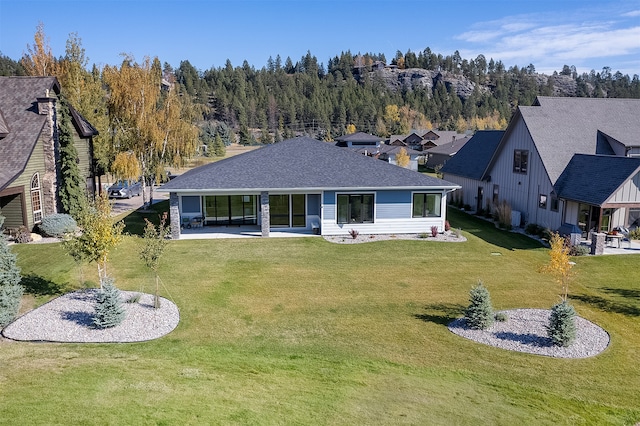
265,217
174,213
49,138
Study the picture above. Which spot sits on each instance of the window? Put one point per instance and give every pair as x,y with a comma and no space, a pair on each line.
287,210
36,198
520,161
190,204
554,203
542,201
426,205
356,208
496,194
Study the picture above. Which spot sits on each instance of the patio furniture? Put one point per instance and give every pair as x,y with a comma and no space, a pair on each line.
196,222
610,238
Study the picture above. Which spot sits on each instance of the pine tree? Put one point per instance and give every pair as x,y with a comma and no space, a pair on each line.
479,314
72,187
109,309
562,324
10,289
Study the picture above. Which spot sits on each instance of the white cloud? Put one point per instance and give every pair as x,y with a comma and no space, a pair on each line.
632,14
551,41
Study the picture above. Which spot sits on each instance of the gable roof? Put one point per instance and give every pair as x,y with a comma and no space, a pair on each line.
449,148
474,157
562,127
359,137
592,179
301,163
18,105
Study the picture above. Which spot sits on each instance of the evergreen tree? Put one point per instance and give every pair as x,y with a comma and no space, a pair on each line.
109,310
72,187
562,324
10,289
219,150
479,314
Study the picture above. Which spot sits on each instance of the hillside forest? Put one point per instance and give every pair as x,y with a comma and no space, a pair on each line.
186,108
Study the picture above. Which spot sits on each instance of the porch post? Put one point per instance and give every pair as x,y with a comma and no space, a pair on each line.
174,213
265,222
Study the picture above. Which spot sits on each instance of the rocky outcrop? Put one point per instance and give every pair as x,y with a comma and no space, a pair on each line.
408,79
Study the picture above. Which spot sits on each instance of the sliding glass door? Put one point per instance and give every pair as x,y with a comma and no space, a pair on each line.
230,209
288,211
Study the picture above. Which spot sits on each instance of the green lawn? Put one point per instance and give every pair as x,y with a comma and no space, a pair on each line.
303,331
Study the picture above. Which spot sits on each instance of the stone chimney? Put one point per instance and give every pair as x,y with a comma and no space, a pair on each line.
49,137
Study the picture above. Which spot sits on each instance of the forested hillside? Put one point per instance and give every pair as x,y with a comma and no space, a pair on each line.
365,92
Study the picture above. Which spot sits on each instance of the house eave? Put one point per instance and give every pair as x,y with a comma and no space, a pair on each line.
306,190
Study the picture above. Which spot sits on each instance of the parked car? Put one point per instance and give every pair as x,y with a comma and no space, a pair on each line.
125,189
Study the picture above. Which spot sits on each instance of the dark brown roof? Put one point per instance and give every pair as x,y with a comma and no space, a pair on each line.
23,124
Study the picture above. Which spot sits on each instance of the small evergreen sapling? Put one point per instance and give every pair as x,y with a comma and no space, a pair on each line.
479,314
562,325
109,308
10,289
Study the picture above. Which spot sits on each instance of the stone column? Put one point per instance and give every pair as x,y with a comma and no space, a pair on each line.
265,218
174,213
597,242
49,138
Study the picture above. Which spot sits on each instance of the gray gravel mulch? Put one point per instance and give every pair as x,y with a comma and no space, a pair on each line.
525,331
68,318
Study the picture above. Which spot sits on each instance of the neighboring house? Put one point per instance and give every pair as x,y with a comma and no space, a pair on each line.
421,140
29,149
305,185
560,161
388,153
439,155
359,140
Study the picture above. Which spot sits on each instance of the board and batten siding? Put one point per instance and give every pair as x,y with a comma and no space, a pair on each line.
469,190
521,190
392,214
629,192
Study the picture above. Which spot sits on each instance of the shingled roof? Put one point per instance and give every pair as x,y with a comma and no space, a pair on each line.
301,163
472,159
562,127
22,123
601,174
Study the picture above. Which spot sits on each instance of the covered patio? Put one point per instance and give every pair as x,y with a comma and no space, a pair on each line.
243,231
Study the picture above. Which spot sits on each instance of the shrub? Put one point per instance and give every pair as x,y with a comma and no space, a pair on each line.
354,233
479,314
562,324
503,214
22,235
423,235
447,226
10,288
458,232
634,234
533,229
434,231
501,317
466,207
110,311
57,225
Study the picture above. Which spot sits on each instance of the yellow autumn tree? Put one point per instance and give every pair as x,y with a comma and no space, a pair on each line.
351,128
559,265
402,158
99,236
39,61
155,124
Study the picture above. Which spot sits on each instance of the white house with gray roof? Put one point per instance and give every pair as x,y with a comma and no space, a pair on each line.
305,185
560,161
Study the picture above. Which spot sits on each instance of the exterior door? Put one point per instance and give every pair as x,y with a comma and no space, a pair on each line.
479,198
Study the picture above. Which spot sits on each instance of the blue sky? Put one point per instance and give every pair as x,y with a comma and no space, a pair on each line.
547,33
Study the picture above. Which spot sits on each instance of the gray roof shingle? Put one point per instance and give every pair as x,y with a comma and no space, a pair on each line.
562,127
301,163
18,97
600,175
472,159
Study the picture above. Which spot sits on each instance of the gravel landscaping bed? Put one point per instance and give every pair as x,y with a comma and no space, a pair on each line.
525,331
68,318
447,236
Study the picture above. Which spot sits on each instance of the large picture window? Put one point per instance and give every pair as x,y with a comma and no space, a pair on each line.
520,161
355,208
426,205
